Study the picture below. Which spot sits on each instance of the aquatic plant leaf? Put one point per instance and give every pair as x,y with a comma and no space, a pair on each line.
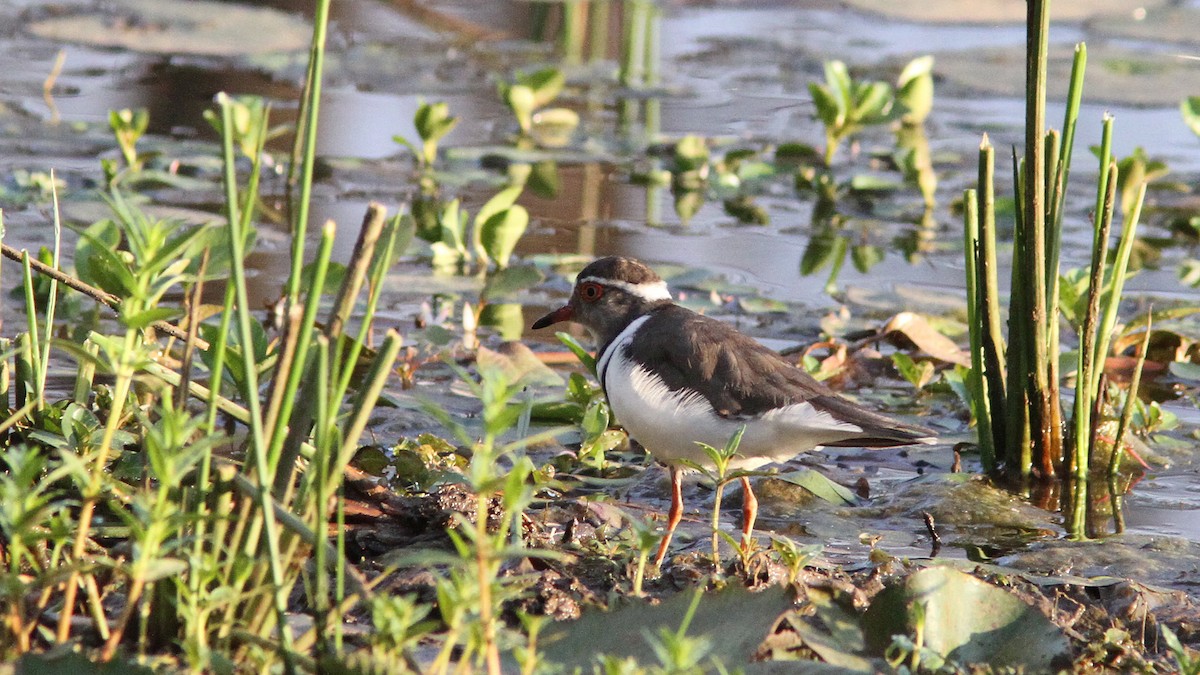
733,621
506,318
823,248
501,233
691,153
1190,109
1185,370
553,127
501,201
825,103
865,257
543,179
509,281
433,120
914,89
818,484
868,183
966,621
97,261
872,103
545,84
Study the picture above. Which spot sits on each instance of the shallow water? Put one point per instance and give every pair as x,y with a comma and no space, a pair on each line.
727,71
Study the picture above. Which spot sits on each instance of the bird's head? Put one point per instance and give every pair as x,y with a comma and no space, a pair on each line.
608,294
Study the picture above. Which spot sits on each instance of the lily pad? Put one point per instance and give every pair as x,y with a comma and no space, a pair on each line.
733,622
180,27
966,621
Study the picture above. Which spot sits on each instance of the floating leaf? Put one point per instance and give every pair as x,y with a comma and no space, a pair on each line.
966,621
733,622
818,484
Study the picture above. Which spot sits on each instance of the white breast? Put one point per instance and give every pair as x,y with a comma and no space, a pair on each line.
670,423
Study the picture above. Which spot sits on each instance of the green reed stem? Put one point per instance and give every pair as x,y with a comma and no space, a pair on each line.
574,24
305,333
1117,282
31,326
311,105
324,445
977,383
258,447
1131,397
988,284
52,296
375,282
598,36
1085,391
1019,432
364,403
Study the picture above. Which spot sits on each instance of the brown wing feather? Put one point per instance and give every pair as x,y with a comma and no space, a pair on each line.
742,378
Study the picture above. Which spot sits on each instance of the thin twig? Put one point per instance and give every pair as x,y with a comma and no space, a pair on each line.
103,297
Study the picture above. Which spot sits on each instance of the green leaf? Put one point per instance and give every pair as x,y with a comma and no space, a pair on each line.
1185,370
864,182
577,349
823,248
691,153
334,275
865,257
98,263
733,622
507,318
966,621
502,231
433,121
144,319
595,418
826,104
544,84
873,104
501,201
837,77
510,281
818,484
1190,109
165,567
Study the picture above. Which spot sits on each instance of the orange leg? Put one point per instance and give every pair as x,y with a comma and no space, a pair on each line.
674,515
749,512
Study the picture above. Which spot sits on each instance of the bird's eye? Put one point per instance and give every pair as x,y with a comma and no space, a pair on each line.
591,291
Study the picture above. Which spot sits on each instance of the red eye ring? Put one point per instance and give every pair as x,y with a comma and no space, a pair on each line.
590,291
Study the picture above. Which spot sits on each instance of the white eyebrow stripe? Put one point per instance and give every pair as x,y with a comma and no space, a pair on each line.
650,292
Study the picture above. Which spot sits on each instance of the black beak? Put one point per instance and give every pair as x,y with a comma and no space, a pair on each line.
564,313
